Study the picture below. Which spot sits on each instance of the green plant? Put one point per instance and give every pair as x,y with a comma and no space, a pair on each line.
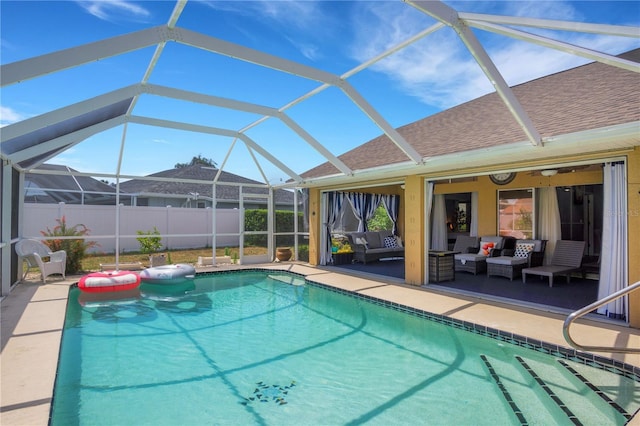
150,241
227,251
303,252
76,248
234,257
380,220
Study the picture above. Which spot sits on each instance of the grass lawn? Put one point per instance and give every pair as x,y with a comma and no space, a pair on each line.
92,262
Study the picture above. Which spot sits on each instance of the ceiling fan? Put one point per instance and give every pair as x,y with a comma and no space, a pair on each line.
551,171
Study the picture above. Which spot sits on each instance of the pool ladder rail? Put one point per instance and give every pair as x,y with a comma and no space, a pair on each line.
595,305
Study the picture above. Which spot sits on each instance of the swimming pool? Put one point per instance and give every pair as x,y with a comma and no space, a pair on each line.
261,347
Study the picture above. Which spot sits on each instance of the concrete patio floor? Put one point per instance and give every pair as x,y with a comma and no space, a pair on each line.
32,318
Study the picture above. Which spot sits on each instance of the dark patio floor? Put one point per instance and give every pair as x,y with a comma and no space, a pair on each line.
575,295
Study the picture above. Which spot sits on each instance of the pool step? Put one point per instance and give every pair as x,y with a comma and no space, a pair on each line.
505,393
541,393
549,391
595,389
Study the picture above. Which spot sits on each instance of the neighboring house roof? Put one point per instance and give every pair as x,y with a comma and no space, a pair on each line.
200,173
588,97
54,188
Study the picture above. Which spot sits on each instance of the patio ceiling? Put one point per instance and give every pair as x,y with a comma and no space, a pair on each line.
29,143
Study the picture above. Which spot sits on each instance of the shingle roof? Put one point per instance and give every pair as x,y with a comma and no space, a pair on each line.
587,97
198,172
67,188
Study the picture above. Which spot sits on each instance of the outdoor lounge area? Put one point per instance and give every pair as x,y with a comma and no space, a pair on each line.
565,296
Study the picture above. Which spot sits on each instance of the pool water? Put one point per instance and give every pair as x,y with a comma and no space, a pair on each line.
265,348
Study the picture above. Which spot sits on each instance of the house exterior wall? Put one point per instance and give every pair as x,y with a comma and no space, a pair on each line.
413,204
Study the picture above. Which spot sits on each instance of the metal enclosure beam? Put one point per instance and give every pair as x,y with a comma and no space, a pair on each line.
449,16
68,58
558,45
216,131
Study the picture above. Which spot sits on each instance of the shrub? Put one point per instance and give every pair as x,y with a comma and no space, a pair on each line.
150,241
256,220
303,252
76,249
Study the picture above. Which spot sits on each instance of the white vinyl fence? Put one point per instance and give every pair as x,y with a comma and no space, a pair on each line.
181,228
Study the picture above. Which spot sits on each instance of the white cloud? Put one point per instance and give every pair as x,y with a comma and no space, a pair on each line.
9,115
292,18
114,9
441,72
291,13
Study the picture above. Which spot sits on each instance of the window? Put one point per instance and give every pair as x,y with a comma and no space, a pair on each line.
516,213
380,220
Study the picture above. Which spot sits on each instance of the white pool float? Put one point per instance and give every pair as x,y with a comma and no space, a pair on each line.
168,273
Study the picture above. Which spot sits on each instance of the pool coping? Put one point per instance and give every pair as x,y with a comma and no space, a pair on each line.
33,318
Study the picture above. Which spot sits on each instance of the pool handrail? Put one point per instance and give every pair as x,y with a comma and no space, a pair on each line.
595,305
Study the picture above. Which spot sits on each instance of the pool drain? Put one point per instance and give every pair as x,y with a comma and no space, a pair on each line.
266,393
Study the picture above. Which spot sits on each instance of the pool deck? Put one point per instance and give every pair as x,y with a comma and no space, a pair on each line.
32,318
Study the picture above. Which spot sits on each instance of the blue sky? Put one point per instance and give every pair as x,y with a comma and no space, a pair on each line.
431,75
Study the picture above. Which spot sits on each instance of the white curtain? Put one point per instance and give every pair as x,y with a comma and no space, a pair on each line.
473,228
549,220
392,204
332,202
364,207
429,199
439,224
613,260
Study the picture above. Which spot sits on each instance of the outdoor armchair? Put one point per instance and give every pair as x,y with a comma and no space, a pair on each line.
36,255
476,262
511,262
466,244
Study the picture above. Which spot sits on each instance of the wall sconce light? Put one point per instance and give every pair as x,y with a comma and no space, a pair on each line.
549,172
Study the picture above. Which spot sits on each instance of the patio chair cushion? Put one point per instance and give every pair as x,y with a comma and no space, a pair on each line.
466,244
373,238
470,257
363,241
506,260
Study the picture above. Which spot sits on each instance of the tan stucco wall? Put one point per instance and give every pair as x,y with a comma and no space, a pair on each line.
414,251
314,226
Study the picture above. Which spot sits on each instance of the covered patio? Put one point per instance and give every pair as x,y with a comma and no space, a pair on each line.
562,296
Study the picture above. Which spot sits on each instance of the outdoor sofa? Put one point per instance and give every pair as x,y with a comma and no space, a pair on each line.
375,245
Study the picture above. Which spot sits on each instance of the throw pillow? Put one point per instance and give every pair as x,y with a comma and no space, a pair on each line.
399,241
523,249
363,242
390,242
485,248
